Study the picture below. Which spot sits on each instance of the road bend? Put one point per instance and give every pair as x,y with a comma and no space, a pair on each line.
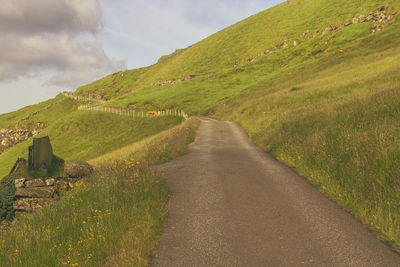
232,204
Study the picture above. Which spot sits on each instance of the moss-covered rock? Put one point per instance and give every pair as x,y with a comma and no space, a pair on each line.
78,169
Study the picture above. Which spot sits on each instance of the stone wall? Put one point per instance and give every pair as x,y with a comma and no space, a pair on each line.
31,195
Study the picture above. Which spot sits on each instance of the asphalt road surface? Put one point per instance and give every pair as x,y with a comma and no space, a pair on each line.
234,205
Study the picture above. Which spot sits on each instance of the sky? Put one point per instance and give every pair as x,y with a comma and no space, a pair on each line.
49,46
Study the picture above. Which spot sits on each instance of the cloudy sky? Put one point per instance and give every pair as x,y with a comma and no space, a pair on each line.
48,46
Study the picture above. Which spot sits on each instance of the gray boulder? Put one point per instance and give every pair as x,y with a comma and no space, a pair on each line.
50,182
78,169
19,183
35,192
35,183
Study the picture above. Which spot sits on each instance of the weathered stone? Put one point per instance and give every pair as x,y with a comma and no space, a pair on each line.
20,183
5,142
40,153
78,169
35,183
29,204
35,192
362,18
50,182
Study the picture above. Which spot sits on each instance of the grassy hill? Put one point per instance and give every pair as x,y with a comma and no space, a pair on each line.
213,59
80,135
315,83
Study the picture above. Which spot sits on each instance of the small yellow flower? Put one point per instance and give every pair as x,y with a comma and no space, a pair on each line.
16,250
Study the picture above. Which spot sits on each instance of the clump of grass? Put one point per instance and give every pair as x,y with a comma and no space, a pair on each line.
7,191
115,218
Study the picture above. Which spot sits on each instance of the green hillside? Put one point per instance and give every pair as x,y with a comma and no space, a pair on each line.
315,83
214,58
78,135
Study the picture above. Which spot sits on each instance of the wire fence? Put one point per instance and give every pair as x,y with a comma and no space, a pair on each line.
137,114
124,112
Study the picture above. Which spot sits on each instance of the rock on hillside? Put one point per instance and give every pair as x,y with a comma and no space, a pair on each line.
78,169
14,135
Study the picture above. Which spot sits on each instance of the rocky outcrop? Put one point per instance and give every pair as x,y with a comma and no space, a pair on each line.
98,94
14,135
78,169
381,18
170,82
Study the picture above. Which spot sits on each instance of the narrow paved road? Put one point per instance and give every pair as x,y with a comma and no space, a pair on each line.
234,205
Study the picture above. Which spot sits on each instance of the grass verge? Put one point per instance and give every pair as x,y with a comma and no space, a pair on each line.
113,219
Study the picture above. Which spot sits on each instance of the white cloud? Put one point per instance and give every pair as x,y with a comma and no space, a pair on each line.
48,35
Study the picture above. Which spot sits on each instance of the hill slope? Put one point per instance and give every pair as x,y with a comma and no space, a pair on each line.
77,135
315,83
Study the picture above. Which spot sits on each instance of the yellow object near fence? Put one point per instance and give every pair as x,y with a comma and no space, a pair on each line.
97,106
